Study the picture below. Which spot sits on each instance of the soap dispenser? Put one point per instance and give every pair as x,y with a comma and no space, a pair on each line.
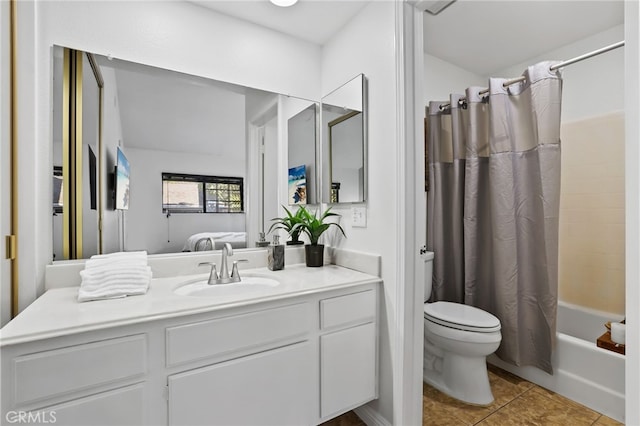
275,255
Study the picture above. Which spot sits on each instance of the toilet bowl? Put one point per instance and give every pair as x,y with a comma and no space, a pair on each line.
458,338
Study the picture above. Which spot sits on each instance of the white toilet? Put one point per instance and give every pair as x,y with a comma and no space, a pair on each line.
458,339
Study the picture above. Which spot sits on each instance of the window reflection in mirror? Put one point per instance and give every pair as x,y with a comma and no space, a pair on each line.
344,143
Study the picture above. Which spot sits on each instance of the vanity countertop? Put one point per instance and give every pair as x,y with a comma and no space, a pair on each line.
57,312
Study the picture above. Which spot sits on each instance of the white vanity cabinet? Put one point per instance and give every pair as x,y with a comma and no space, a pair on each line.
295,360
264,371
348,355
268,388
76,384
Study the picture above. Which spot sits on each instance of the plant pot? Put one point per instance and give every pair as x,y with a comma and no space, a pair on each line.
314,255
295,243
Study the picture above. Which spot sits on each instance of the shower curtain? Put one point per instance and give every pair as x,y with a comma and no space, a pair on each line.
493,207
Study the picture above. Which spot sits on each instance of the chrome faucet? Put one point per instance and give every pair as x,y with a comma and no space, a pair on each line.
224,277
227,250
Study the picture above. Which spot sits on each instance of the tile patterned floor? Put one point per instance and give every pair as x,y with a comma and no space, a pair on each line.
517,402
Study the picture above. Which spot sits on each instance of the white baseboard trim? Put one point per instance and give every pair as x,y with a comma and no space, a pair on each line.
370,416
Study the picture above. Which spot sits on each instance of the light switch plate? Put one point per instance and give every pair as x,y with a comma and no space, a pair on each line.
359,217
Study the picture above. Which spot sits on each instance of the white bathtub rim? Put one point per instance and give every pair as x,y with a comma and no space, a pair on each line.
612,316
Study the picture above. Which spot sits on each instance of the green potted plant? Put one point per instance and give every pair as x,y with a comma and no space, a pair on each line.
287,223
314,227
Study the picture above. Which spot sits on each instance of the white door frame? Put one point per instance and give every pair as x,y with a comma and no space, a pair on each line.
632,209
411,211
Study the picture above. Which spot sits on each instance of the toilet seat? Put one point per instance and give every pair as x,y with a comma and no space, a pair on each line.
461,317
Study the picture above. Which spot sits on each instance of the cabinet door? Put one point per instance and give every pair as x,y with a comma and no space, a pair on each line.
124,406
269,388
348,369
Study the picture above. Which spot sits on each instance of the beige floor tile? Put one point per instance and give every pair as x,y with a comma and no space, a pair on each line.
562,400
347,419
607,421
436,414
504,418
536,408
521,383
505,388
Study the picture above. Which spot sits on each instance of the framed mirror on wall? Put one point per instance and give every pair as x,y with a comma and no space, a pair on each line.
344,142
208,136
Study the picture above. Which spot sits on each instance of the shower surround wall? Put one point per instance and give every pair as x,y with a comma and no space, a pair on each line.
592,230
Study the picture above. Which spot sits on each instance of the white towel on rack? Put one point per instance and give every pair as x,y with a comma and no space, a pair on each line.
114,275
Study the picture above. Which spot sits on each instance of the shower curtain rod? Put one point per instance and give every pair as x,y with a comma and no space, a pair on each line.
551,68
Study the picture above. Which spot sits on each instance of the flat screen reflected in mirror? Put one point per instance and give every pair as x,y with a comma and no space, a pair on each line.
193,146
344,142
301,146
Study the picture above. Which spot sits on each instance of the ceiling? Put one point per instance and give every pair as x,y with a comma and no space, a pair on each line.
486,36
481,36
314,21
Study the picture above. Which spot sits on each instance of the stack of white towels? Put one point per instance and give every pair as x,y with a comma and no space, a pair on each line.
114,275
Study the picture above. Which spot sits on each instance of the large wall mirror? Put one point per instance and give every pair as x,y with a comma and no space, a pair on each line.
345,143
182,163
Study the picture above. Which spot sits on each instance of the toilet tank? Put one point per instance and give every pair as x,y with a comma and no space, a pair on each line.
428,273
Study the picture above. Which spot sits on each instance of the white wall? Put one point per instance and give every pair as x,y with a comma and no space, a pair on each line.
591,87
366,45
271,167
581,97
111,139
5,164
146,226
178,36
443,78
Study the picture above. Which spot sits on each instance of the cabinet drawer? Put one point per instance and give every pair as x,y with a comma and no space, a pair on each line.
349,309
236,335
119,407
46,374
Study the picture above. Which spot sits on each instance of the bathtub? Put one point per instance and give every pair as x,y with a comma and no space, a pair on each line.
583,372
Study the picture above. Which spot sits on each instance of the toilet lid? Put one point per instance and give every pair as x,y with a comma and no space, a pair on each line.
462,317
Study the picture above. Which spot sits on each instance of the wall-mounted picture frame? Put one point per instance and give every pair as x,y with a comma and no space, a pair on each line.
297,185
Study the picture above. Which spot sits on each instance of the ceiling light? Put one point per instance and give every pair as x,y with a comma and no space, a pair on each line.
284,3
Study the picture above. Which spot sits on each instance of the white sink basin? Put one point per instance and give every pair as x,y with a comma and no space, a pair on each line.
248,284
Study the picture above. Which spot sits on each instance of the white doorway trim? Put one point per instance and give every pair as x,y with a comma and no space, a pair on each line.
410,217
632,213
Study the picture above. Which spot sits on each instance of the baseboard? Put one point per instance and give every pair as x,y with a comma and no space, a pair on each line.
370,416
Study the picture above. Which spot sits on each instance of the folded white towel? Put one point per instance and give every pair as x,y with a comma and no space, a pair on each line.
97,273
114,275
112,293
121,258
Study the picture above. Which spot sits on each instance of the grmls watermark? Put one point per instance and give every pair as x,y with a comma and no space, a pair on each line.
26,417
